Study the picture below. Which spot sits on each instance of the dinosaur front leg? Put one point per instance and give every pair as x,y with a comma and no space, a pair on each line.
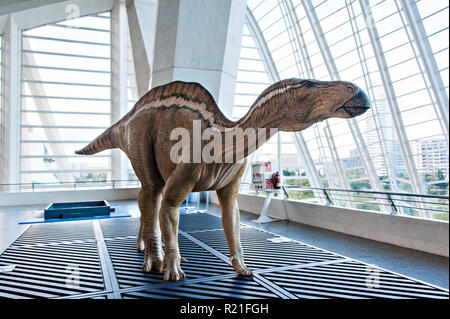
230,220
177,188
149,238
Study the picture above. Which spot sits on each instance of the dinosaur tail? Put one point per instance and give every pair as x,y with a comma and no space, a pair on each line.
105,141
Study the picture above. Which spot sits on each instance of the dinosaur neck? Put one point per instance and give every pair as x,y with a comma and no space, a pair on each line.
264,113
267,116
262,121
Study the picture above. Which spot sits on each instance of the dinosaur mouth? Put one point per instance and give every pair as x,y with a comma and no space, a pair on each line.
357,105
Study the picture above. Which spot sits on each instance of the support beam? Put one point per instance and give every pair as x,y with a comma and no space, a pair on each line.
269,65
199,41
264,51
330,173
377,121
426,56
296,35
311,171
11,102
119,93
415,180
339,169
142,27
308,72
305,70
334,74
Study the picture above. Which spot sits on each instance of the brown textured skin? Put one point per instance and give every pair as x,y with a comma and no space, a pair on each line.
143,134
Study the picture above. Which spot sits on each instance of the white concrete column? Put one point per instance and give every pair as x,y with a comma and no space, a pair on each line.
142,26
119,94
199,41
11,102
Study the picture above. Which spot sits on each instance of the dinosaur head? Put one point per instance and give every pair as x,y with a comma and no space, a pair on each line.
310,101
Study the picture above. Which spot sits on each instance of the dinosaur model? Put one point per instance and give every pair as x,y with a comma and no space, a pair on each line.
143,134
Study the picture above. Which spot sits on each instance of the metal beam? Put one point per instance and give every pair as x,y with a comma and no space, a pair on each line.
353,125
416,182
311,171
293,32
262,47
142,26
269,64
426,56
334,73
375,114
297,41
339,169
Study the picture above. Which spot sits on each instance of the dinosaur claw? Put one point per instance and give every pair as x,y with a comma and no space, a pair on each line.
239,266
172,269
245,272
166,276
158,266
140,248
147,267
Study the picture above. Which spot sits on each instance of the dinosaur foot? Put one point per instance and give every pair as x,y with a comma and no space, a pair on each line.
172,269
183,260
153,258
152,264
140,245
239,266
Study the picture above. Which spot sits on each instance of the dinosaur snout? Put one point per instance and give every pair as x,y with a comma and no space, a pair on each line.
357,105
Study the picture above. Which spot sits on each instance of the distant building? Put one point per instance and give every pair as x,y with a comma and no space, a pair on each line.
432,156
383,132
354,161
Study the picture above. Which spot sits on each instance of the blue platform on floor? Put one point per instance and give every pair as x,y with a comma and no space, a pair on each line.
37,217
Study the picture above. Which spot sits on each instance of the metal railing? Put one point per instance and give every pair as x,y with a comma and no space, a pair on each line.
48,186
395,203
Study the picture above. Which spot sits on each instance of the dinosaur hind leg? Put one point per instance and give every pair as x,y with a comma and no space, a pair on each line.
230,221
149,238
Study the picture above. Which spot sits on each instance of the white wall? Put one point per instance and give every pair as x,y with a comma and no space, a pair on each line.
38,198
425,235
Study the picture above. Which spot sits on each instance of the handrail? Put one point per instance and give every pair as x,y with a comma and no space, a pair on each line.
435,204
33,185
425,204
75,182
368,192
360,191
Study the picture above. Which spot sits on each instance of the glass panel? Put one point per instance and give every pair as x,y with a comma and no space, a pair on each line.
296,53
66,100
